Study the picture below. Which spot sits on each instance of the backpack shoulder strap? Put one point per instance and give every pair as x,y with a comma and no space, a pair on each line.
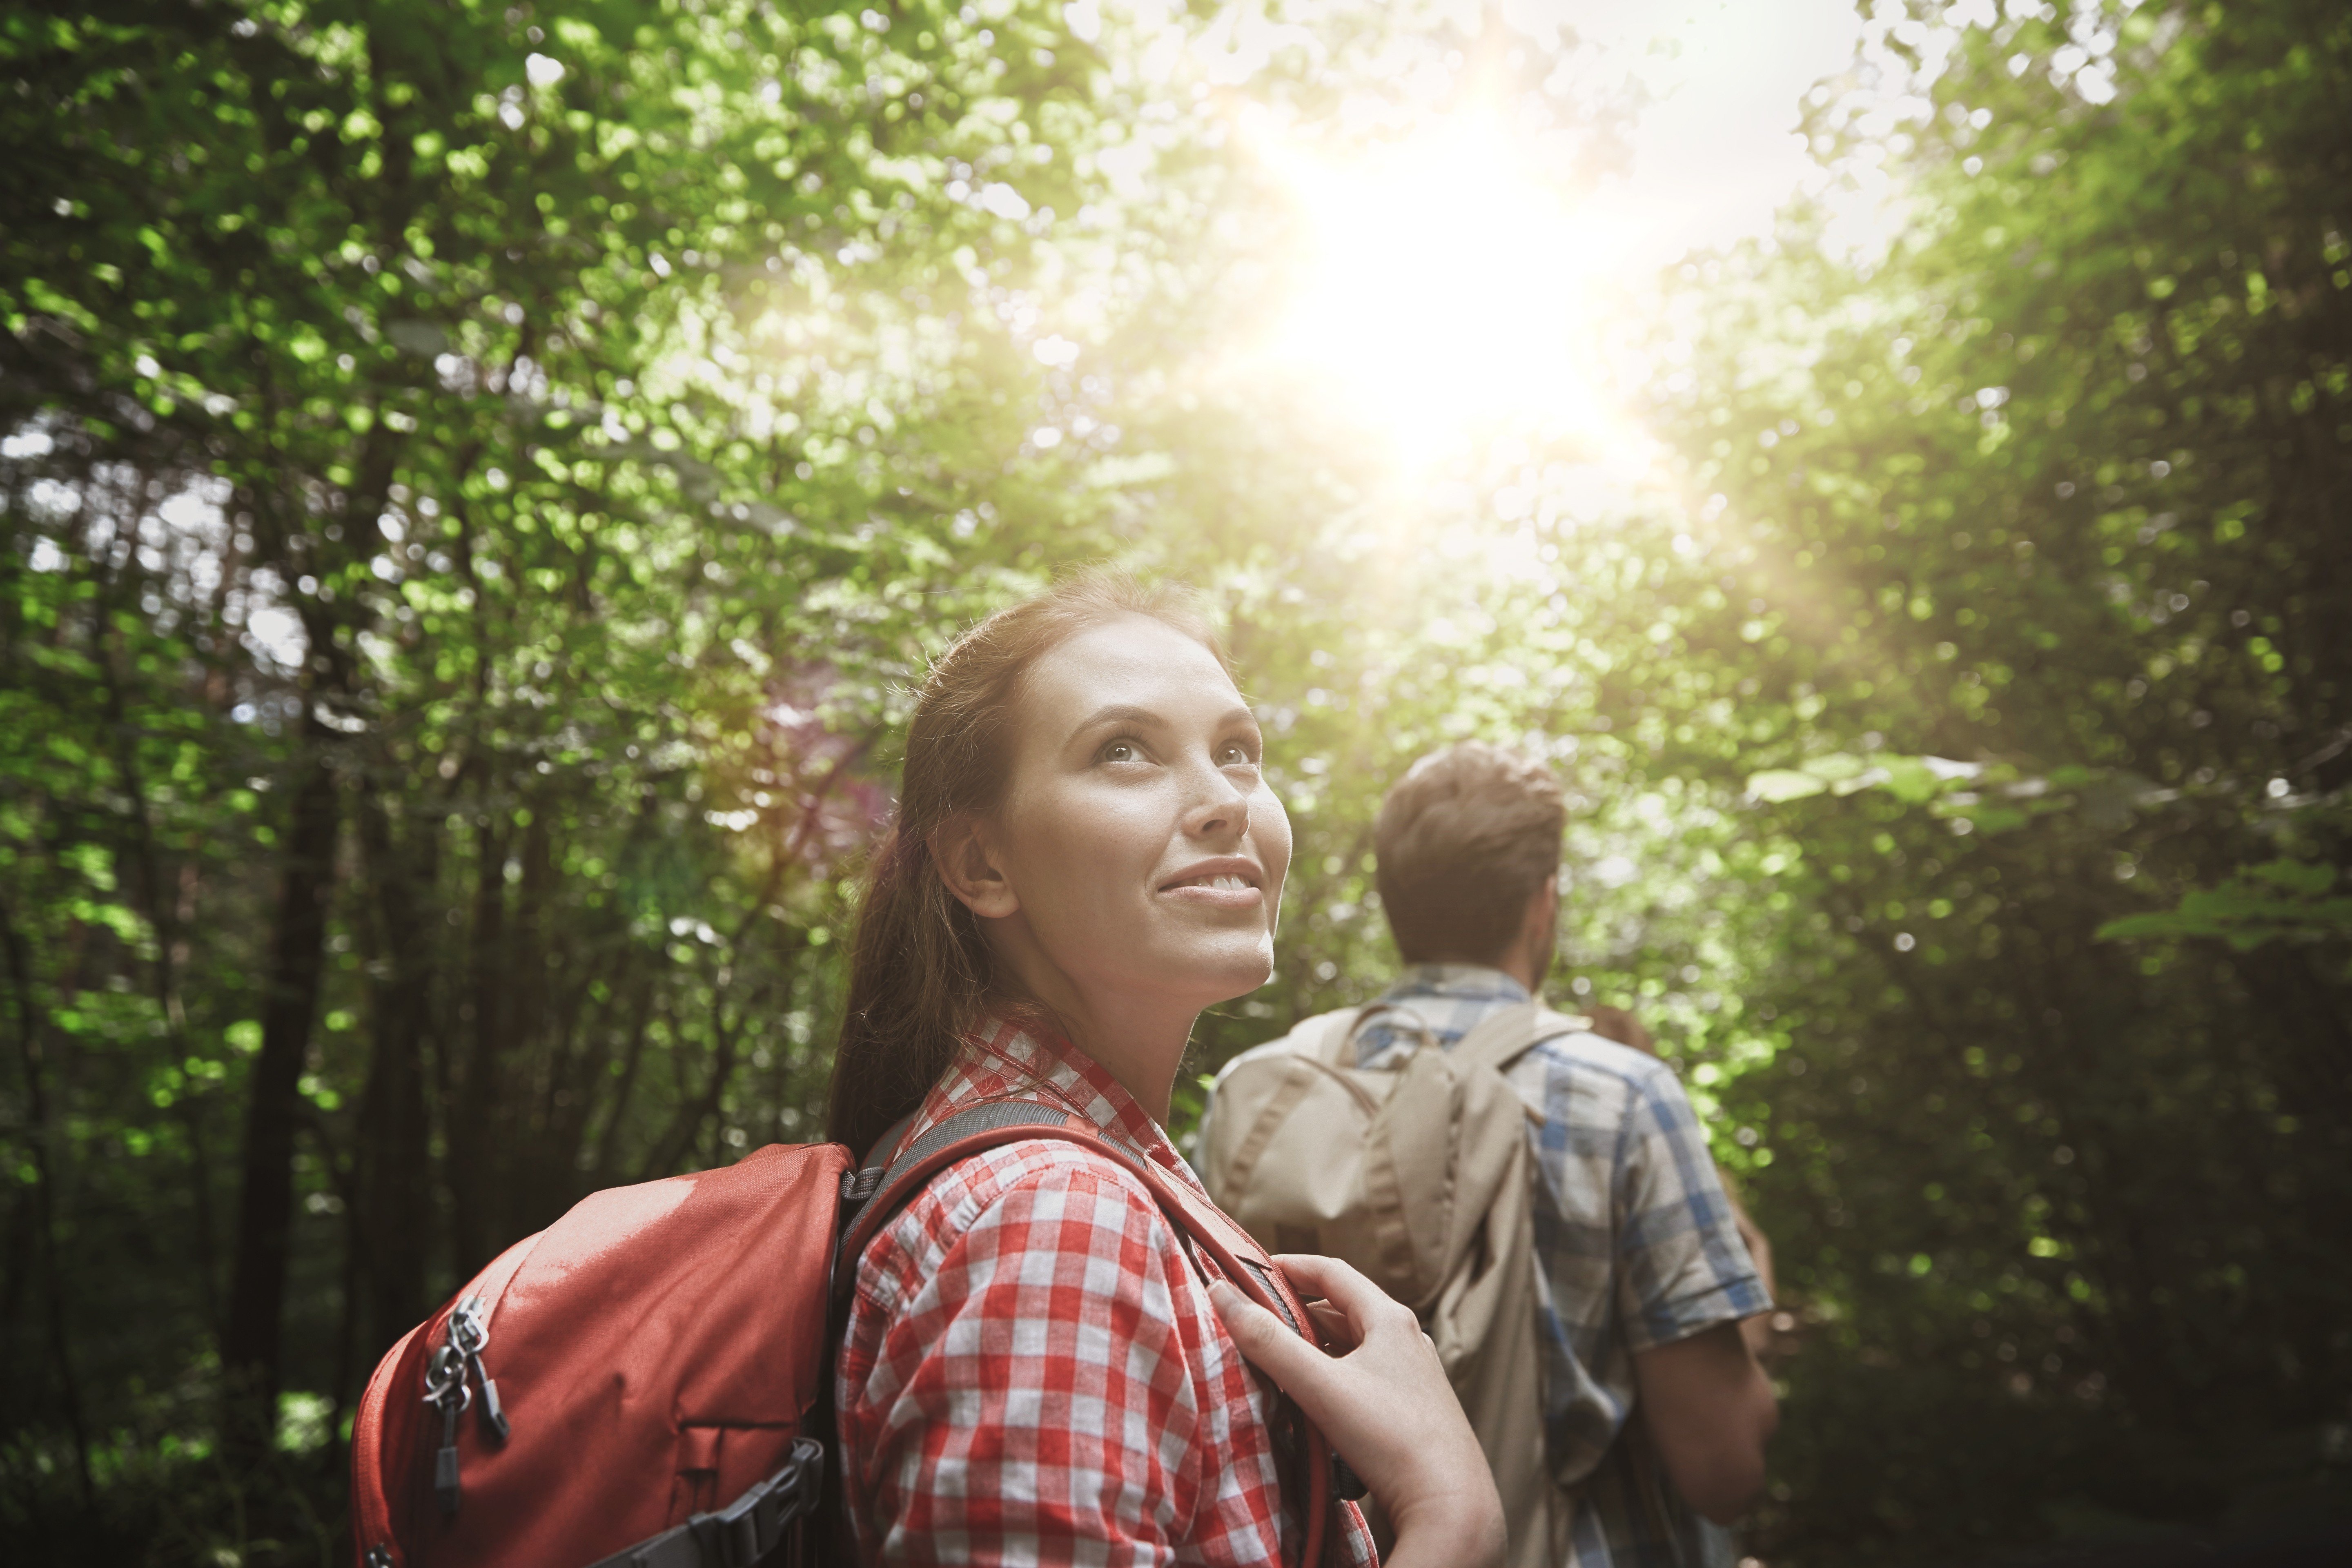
996,1122
871,1196
1326,1036
1508,1034
1339,1030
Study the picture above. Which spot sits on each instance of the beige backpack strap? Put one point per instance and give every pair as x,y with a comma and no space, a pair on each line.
1317,1039
1349,1022
1325,1036
1508,1034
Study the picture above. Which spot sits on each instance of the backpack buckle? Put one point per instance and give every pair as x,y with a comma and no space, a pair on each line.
747,1530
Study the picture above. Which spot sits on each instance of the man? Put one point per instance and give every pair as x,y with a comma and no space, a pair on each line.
1654,1406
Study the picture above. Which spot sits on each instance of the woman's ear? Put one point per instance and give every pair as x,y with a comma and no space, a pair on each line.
966,863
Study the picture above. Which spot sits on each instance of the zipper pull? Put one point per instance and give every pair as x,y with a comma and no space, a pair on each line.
444,1385
469,1333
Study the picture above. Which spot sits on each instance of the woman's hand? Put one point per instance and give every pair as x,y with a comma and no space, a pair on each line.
1385,1405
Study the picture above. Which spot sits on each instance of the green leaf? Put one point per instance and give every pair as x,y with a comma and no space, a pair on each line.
1836,766
1911,781
2310,878
1775,786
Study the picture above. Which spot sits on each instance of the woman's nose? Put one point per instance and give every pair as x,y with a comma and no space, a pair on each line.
1219,809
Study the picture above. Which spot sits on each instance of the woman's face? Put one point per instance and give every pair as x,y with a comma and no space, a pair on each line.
1138,849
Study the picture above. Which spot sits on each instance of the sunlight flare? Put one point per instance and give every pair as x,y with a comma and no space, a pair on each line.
1442,287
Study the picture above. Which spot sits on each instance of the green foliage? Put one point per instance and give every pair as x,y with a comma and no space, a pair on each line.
2274,900
512,421
546,448
2037,495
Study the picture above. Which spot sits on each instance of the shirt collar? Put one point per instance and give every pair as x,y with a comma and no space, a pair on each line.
1005,1060
1473,982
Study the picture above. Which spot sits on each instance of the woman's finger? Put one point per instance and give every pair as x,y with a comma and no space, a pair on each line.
1266,1342
1338,1333
1315,1273
1363,1302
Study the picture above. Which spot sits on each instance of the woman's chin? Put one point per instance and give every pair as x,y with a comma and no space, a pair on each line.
1234,971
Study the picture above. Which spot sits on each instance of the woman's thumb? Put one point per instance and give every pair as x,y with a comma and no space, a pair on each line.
1264,1339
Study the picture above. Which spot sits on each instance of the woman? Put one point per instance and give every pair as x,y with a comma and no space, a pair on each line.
1036,1369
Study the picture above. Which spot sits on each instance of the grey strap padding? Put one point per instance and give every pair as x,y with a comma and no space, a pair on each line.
990,1116
879,1154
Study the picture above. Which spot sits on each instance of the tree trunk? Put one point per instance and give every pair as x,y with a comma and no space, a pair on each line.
264,1217
29,1025
473,1120
392,1216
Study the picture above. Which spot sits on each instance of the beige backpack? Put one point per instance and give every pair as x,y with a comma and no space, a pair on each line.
1419,1174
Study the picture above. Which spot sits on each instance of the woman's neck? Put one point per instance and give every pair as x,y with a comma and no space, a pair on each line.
1136,1035
1140,1048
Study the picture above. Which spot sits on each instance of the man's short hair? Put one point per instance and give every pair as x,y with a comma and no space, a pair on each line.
1465,839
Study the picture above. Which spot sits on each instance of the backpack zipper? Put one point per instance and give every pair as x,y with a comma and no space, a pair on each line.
445,1388
469,1335
449,1381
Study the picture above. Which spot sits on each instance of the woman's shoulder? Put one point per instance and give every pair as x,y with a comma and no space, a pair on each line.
1035,1195
1032,1164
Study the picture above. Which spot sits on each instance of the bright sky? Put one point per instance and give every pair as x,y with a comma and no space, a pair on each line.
1716,158
1454,284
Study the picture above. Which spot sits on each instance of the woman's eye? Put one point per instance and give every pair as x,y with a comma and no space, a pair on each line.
1235,755
1119,752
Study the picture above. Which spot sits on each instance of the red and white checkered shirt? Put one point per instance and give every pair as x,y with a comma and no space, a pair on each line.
1034,1372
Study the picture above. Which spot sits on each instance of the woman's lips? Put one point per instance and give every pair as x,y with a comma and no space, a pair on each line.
1217,890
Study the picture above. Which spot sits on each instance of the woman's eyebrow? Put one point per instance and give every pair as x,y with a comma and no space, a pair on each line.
1128,713
1117,713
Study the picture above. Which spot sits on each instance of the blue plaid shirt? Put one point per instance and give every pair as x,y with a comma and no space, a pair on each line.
1635,1246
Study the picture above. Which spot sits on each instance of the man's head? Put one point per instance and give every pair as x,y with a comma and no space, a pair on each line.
1469,848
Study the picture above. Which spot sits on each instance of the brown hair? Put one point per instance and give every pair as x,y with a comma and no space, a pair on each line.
1465,839
920,973
1618,1024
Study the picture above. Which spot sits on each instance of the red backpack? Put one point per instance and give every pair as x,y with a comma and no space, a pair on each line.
647,1382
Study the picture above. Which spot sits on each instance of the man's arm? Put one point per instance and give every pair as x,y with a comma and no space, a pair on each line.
1685,1281
1709,1409
1757,1329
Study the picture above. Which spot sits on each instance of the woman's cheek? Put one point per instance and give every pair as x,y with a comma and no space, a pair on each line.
1273,840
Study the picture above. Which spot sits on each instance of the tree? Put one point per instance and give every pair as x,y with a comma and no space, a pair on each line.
2042,495
480,484
386,442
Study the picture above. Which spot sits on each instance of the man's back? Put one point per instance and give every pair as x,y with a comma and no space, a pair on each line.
1636,1249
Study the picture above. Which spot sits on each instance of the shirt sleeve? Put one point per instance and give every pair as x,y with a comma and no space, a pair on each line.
1682,1265
1032,1400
